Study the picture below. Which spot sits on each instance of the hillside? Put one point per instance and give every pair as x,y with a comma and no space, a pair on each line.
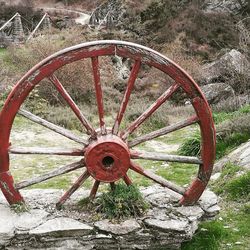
209,39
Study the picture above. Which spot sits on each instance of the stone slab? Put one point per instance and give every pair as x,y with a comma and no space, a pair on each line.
124,227
62,227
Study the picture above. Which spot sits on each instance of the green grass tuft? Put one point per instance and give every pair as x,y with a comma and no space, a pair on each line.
191,146
208,236
20,208
239,187
122,202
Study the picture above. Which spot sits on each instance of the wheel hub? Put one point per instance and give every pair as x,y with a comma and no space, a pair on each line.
107,158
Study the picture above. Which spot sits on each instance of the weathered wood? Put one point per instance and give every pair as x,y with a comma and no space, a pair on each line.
98,92
36,28
94,190
126,97
157,178
46,151
49,175
163,131
5,24
127,180
51,126
163,98
74,187
63,92
164,157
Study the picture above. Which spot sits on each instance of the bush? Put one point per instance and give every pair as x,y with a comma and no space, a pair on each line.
122,202
191,146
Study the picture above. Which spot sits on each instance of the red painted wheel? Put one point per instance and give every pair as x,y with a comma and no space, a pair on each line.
108,153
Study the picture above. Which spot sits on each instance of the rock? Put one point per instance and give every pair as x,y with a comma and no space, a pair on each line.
7,228
215,92
208,199
29,220
125,227
191,212
168,225
160,196
164,226
212,211
240,156
215,176
226,6
62,227
230,64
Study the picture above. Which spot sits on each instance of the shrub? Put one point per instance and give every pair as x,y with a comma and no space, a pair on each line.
191,146
122,202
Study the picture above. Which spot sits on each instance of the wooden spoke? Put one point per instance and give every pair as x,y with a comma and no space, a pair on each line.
127,180
46,151
164,157
163,131
74,187
62,131
49,175
131,82
94,190
158,179
98,91
134,125
72,104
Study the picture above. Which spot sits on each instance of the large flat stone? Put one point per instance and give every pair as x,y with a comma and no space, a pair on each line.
29,220
62,227
125,227
191,212
7,228
168,225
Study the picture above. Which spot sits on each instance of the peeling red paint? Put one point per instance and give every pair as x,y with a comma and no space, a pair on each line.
114,146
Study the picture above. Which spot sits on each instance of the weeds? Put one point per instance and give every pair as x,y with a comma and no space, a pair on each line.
239,187
207,237
20,208
122,202
191,146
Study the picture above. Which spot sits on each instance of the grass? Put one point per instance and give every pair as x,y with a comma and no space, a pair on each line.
3,52
226,145
220,117
122,202
232,130
231,230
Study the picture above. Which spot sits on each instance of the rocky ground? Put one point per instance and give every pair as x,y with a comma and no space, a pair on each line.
165,224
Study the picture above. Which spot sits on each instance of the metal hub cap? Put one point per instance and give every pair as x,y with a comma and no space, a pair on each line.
107,158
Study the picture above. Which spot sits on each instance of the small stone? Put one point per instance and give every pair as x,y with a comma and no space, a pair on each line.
238,243
194,212
212,211
125,227
208,199
168,225
62,227
215,176
31,219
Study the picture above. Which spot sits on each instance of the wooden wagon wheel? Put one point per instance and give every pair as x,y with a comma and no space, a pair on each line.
108,154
